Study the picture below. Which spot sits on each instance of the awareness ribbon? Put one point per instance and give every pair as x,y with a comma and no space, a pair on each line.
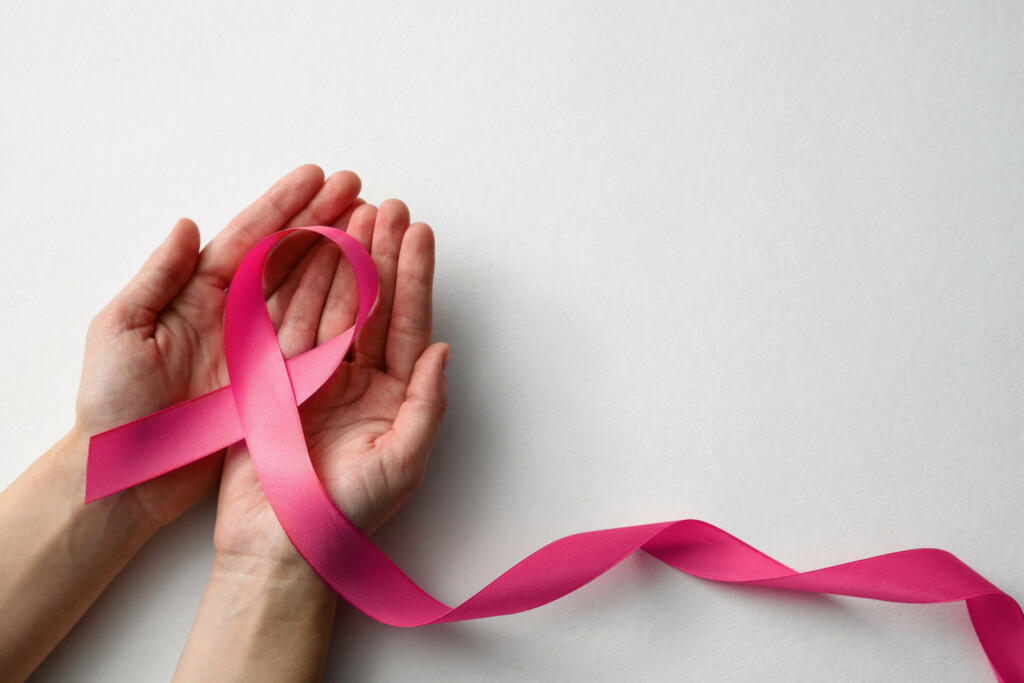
261,406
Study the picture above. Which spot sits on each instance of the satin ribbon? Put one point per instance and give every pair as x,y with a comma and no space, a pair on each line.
261,407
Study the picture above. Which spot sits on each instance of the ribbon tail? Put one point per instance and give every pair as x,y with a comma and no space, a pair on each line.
184,433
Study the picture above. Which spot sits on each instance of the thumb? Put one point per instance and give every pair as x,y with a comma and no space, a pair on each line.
161,278
426,399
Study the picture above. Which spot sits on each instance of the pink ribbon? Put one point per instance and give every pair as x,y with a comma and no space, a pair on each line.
261,406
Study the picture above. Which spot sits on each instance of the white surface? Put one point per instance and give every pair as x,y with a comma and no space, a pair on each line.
757,265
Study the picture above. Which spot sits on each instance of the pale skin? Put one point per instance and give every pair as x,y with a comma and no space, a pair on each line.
265,615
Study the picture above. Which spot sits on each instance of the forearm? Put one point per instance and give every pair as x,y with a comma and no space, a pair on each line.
260,620
58,554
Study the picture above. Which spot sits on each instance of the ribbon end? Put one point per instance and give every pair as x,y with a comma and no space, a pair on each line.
96,485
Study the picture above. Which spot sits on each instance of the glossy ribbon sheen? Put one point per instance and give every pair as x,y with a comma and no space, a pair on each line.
261,407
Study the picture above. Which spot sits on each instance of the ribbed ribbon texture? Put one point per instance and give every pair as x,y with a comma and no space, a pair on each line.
261,406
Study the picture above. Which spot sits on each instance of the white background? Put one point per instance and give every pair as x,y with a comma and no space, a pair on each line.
754,263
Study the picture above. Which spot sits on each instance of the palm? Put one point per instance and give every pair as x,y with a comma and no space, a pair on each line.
369,429
349,433
139,370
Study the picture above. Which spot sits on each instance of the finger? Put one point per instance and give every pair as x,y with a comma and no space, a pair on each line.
409,331
277,302
334,198
360,225
343,220
358,220
419,418
392,220
161,278
336,195
340,308
302,318
341,301
269,213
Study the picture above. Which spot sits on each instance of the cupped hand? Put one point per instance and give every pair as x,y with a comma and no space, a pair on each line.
160,340
370,428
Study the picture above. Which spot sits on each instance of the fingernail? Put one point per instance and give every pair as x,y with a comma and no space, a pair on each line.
444,360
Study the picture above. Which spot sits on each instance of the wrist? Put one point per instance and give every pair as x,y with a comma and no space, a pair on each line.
149,505
123,515
260,619
289,580
58,552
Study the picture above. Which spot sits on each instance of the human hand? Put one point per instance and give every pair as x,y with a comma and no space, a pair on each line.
160,340
370,428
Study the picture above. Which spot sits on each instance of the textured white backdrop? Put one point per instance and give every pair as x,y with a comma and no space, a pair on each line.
755,263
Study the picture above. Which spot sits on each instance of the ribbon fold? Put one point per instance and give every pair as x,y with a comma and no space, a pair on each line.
261,407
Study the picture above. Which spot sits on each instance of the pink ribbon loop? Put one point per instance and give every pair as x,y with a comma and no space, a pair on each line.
261,406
